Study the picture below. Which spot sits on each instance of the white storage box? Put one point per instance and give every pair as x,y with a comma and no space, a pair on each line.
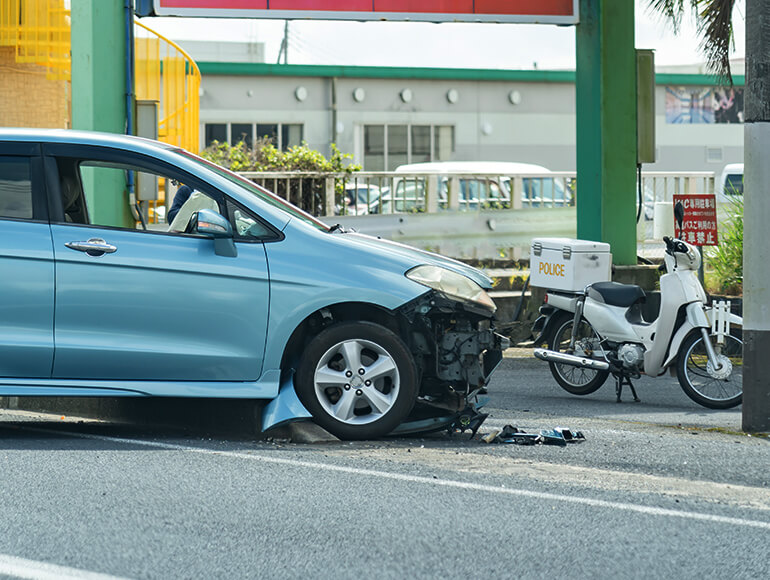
567,264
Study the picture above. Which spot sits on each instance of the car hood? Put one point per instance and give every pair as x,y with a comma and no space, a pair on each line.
417,256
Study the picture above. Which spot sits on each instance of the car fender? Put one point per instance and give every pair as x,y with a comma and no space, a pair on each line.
310,272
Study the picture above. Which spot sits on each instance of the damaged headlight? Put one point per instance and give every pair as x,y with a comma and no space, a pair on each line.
452,284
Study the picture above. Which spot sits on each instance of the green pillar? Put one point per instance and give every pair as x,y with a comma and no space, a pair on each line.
99,93
606,126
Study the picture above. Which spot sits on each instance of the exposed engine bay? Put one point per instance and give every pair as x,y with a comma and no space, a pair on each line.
455,346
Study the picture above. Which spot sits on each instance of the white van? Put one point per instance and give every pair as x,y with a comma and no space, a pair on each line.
483,184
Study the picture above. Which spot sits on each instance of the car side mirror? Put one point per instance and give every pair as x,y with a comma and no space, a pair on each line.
207,222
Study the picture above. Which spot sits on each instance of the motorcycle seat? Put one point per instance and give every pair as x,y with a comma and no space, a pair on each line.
615,294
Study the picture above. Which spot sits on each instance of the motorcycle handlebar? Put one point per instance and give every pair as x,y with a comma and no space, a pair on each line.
674,245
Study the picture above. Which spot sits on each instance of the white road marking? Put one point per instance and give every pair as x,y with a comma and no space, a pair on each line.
33,570
629,507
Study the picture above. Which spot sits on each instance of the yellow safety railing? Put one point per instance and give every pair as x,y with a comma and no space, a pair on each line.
39,31
167,74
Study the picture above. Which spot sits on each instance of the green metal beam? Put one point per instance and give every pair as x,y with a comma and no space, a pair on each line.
470,74
606,126
99,94
383,72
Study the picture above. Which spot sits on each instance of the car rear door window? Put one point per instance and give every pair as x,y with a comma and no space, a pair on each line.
15,188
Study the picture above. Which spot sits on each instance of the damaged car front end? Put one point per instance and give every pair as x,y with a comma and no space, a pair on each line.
451,331
453,348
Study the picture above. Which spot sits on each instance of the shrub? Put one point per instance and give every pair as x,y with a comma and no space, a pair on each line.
726,259
309,192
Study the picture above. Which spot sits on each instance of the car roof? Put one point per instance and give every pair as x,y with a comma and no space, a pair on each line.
78,137
496,167
733,168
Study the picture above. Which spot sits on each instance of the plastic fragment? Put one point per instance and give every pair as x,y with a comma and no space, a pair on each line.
556,436
490,437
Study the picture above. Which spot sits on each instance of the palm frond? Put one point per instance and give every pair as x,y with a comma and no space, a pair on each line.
672,10
715,27
714,23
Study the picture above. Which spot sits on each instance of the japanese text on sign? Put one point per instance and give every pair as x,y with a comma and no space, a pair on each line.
699,226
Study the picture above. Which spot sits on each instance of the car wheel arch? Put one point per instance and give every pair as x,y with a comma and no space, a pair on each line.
331,314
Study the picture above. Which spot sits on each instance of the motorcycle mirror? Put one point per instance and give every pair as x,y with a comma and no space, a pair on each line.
679,213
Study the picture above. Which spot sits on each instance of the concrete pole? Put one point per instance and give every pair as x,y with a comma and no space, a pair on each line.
606,126
99,95
756,217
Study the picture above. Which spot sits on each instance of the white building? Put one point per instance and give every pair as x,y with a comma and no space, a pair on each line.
388,116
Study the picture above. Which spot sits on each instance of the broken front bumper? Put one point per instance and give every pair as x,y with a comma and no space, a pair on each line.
455,342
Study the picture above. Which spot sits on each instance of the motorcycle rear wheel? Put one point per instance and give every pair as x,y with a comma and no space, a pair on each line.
576,380
701,385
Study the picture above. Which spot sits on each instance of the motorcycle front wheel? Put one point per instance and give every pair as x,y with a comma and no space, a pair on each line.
576,380
713,388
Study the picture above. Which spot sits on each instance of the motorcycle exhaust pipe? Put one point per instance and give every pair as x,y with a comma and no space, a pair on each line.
569,359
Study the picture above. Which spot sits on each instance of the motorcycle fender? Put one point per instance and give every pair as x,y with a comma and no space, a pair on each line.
546,323
696,318
561,302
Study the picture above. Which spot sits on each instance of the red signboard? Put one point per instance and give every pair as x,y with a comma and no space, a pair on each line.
540,11
699,226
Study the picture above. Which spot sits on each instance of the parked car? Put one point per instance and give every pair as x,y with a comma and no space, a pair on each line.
360,198
251,298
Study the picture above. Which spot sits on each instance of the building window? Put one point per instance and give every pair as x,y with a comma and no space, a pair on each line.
216,132
268,131
374,148
388,146
241,132
282,135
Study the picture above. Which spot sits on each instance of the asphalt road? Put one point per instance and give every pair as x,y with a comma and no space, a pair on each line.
659,488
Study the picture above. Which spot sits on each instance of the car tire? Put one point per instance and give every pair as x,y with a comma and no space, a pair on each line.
357,379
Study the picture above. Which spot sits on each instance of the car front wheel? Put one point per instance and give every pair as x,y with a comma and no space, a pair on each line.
357,379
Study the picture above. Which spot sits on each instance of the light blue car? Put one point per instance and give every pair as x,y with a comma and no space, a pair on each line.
243,295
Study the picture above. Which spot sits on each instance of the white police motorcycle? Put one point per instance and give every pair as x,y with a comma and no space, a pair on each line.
601,331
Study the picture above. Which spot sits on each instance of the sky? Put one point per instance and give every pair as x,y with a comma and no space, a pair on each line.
446,45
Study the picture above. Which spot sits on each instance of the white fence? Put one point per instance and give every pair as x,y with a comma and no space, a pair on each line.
396,205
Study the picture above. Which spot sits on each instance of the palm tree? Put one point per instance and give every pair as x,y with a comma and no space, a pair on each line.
715,28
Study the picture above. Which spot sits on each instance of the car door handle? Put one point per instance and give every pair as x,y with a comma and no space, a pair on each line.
93,247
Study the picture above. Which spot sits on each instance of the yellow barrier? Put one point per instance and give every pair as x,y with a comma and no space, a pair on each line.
39,31
167,74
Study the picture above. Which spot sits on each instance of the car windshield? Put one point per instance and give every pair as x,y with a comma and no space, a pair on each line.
256,190
364,194
734,184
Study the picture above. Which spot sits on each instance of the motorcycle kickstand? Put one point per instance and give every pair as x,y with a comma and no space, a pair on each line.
621,380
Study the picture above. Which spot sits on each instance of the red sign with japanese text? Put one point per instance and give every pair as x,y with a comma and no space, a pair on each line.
699,226
540,11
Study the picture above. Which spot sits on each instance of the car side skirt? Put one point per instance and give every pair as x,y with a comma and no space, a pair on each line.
265,388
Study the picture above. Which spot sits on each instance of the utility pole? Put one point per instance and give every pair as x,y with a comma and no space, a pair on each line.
756,217
284,45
